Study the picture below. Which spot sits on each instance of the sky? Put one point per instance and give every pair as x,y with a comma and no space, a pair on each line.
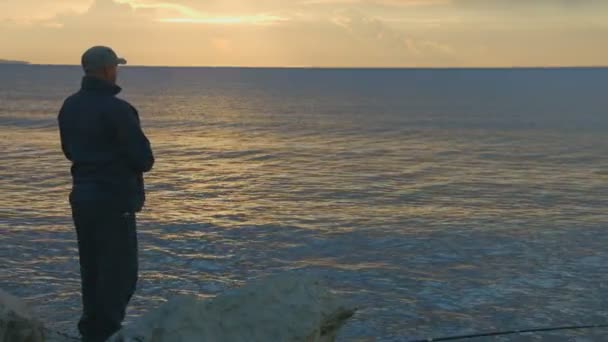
311,33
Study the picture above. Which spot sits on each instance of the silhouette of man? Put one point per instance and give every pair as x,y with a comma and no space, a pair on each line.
102,137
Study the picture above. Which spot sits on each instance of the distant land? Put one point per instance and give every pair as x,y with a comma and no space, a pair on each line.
7,61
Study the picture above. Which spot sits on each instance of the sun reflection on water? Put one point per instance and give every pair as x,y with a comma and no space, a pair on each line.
428,228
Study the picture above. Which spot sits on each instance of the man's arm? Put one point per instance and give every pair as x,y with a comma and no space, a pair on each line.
131,138
63,135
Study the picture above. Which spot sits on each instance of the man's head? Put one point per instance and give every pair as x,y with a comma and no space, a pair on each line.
102,62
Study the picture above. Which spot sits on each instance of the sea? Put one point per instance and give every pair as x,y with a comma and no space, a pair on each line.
439,201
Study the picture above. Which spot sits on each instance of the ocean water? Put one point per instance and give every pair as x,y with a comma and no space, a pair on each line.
439,201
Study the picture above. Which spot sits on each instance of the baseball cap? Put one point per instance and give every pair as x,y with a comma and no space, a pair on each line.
98,57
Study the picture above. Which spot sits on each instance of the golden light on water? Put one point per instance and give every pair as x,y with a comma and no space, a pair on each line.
423,195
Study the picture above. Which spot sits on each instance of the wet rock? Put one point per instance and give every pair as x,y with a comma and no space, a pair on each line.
17,323
287,307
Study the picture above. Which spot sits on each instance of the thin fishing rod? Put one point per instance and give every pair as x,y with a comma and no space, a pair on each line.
512,332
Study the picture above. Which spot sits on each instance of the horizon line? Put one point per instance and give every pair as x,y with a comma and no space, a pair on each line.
25,63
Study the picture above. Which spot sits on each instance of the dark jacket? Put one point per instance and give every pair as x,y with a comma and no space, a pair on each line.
101,135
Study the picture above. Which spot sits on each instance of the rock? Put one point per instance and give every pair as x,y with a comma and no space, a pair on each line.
286,308
56,336
16,321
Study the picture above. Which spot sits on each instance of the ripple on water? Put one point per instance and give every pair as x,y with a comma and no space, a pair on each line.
433,219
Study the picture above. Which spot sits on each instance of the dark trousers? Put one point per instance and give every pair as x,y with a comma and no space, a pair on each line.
107,244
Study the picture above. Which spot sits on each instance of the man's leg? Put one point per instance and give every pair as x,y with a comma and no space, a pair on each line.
117,267
85,222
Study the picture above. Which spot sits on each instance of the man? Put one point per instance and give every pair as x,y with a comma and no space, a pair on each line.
101,136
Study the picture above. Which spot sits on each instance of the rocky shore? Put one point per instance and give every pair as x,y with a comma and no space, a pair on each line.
287,307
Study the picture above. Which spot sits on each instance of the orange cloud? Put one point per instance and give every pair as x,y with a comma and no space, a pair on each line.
259,19
310,32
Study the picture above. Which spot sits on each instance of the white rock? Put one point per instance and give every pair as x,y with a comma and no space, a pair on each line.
16,321
286,308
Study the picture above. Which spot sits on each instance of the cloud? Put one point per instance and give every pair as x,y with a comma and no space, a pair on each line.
375,35
398,3
165,6
528,3
34,12
258,19
121,13
309,32
568,11
189,15
108,15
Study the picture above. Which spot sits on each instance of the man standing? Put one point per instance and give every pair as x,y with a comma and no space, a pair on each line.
102,137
